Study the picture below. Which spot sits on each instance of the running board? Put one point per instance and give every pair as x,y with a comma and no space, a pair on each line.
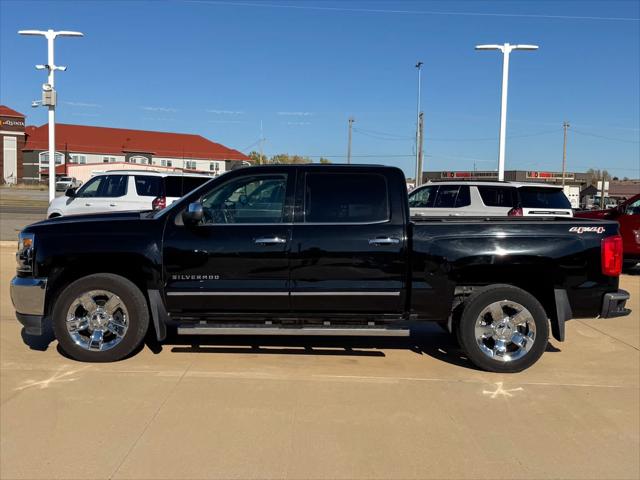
200,329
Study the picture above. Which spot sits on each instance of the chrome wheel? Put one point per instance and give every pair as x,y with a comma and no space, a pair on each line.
505,331
97,320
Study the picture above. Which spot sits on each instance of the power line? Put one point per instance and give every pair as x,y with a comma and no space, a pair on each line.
415,12
604,137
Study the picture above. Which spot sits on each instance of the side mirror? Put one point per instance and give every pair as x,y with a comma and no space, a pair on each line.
193,214
70,192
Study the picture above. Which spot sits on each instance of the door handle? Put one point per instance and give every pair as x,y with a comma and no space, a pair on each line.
384,241
269,240
113,204
88,204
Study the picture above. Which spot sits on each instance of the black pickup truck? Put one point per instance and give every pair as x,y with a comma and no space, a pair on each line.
314,250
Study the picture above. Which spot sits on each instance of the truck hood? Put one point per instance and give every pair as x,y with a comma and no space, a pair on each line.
92,218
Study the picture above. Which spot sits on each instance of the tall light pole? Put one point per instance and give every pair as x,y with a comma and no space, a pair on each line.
49,95
506,49
418,180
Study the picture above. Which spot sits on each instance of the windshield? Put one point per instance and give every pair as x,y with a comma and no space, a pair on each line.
542,197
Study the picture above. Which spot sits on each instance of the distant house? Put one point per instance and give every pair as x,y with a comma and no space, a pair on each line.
83,150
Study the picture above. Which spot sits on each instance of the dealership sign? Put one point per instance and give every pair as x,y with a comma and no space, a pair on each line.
550,175
12,124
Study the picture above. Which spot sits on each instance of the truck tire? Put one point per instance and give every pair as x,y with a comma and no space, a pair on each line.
503,329
100,318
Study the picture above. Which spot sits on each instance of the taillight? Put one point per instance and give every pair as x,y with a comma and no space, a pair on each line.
159,203
515,212
612,255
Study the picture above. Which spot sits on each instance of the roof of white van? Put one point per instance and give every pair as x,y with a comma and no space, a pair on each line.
492,184
152,173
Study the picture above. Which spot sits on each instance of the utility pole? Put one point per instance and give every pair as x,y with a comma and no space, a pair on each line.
565,125
261,144
420,156
418,180
351,120
603,190
49,96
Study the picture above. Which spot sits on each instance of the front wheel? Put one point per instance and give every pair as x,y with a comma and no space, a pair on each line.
503,329
100,318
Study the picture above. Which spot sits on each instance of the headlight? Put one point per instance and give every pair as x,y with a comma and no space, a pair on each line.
24,255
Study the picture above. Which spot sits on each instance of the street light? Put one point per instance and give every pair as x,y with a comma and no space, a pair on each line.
49,95
506,49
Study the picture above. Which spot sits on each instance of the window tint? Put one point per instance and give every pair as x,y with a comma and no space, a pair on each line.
446,196
344,198
257,199
464,198
148,186
541,197
633,208
178,186
91,188
497,196
113,186
423,197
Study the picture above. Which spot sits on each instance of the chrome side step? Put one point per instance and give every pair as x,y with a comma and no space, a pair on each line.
199,329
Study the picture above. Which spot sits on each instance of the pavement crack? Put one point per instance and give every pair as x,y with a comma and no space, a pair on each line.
148,424
588,324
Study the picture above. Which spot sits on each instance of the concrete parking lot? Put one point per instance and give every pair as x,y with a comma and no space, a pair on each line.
304,408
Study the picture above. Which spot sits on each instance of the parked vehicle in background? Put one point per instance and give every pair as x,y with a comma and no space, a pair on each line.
121,190
627,214
65,183
314,250
608,203
489,198
572,193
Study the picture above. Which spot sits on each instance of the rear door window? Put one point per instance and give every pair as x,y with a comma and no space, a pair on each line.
447,195
464,197
346,198
178,186
113,186
495,196
149,186
543,197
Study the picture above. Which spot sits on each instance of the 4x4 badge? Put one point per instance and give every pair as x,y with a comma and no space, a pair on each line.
587,229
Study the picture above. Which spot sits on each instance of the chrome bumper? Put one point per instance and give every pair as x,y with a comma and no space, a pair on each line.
27,295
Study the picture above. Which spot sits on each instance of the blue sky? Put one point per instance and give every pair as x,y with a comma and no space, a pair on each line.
219,69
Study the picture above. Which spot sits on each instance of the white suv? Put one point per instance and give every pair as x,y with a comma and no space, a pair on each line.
489,199
121,190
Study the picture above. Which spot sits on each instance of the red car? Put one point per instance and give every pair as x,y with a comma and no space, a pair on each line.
628,216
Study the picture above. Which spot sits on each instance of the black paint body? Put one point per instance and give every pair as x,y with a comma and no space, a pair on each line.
324,271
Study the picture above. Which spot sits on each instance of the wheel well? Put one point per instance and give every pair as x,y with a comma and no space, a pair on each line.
543,292
54,215
70,274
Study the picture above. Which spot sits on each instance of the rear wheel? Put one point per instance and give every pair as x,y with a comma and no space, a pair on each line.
503,329
100,318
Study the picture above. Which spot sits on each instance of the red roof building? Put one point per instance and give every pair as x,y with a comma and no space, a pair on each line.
117,148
